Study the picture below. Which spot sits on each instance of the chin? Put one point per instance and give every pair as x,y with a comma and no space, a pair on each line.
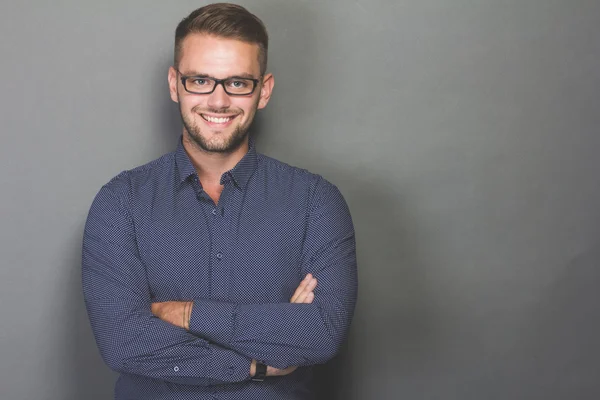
218,144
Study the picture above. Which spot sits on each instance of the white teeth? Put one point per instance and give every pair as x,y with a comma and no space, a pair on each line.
216,120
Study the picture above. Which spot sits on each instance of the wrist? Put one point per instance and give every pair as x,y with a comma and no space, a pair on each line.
252,368
187,315
260,371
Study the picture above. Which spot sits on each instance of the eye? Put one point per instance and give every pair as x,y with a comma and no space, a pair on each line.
238,84
199,81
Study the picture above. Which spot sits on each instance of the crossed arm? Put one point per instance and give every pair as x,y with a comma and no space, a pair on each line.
178,313
197,343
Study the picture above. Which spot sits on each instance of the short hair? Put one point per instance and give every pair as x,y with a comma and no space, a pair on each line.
224,20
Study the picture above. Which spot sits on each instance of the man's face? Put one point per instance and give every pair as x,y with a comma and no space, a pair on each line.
218,122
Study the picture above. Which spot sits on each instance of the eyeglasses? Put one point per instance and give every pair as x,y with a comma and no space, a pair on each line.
234,86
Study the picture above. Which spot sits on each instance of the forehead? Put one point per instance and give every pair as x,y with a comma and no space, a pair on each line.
218,57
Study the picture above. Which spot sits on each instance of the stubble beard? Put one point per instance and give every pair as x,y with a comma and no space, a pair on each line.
219,144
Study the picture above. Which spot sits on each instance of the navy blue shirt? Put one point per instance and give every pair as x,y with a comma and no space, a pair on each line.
153,234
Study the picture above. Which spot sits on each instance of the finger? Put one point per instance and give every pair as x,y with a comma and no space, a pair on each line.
308,291
309,298
309,287
300,289
155,307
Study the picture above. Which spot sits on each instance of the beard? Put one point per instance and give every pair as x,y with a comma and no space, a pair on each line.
219,142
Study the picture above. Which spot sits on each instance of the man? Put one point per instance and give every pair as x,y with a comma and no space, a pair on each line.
215,271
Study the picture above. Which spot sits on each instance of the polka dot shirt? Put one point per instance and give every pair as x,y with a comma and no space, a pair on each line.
153,234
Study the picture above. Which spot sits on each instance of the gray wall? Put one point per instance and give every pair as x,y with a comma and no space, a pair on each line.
462,133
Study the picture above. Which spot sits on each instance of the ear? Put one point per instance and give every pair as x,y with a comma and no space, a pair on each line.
173,83
266,90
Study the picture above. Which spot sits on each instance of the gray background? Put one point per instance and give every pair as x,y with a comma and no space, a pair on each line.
463,135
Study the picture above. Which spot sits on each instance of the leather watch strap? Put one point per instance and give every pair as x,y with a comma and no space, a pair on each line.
261,372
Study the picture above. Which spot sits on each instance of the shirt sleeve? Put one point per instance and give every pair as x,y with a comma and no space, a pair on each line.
130,338
285,334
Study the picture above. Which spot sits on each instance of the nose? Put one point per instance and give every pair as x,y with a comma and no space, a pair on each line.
219,99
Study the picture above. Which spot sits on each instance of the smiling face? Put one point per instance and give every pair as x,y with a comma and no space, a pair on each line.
218,122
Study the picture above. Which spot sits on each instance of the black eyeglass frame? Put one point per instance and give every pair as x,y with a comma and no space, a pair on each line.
218,82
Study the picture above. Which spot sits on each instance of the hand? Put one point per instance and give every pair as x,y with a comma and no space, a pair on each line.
304,293
280,372
272,371
174,312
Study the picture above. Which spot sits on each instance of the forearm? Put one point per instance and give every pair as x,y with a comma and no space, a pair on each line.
280,334
217,324
131,340
178,313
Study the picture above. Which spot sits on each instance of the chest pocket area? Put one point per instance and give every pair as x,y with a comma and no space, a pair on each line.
267,266
176,257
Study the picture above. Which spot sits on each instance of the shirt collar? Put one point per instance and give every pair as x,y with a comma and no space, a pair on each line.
185,168
244,169
240,174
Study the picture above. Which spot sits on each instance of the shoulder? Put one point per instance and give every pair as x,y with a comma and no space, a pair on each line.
315,185
282,170
130,181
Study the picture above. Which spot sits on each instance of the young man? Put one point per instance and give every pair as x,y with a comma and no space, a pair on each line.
215,271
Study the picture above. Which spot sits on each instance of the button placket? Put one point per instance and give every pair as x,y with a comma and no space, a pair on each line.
220,276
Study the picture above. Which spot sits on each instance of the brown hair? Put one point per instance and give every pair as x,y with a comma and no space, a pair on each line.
227,21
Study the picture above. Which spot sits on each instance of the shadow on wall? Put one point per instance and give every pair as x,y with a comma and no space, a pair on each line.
393,332
87,375
560,348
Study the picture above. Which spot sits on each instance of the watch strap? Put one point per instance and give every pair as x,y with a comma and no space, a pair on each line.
261,372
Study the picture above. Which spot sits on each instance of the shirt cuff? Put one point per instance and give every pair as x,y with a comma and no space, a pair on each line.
228,366
213,320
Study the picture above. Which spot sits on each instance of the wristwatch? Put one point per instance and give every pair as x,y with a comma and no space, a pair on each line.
261,372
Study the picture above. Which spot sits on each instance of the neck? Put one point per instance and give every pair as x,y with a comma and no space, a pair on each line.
211,165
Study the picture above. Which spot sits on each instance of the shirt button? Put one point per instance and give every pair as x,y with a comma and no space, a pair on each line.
219,255
176,369
214,211
230,370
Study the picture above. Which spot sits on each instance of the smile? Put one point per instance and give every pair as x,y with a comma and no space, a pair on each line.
217,120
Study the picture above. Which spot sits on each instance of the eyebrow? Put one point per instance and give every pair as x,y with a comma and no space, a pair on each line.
238,76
